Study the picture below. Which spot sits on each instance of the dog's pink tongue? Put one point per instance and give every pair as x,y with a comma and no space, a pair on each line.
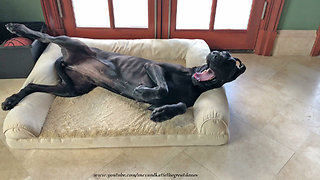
204,76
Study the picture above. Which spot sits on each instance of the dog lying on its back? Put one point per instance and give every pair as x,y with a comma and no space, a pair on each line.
169,88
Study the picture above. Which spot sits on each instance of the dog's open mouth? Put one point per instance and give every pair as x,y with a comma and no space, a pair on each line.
205,75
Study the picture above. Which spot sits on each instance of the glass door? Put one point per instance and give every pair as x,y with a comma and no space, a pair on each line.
223,24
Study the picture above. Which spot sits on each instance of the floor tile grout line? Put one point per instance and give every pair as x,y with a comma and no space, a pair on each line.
284,165
295,123
122,153
20,162
268,80
282,69
197,160
294,151
170,160
270,138
202,165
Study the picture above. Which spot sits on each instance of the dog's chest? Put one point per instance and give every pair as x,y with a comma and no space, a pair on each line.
182,90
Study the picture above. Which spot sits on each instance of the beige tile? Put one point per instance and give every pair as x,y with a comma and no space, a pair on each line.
182,164
122,165
21,155
299,82
68,164
313,63
303,114
204,173
287,132
255,104
249,155
10,167
259,68
153,158
305,164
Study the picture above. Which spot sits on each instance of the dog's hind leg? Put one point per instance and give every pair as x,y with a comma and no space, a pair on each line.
65,88
155,73
69,46
65,79
166,112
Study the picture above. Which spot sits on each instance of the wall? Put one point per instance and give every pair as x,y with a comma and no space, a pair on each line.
297,27
20,11
300,15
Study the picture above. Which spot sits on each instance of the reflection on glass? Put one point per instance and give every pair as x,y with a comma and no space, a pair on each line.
130,13
93,13
232,14
192,14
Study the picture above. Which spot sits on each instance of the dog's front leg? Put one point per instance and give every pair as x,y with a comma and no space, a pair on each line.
156,74
166,112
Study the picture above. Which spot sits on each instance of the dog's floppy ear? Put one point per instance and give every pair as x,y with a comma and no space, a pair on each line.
241,69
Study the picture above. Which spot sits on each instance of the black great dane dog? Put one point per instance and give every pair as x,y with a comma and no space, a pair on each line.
169,88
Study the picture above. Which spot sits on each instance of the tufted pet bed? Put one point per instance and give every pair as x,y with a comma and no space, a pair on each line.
104,119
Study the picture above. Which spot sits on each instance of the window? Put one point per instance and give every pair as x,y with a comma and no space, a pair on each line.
223,24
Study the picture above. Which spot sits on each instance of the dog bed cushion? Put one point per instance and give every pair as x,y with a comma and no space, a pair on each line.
104,119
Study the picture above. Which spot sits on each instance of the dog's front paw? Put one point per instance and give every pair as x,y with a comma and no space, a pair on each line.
16,28
166,112
10,102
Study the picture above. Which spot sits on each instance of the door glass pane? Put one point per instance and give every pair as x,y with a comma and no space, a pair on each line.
130,13
93,13
232,14
192,14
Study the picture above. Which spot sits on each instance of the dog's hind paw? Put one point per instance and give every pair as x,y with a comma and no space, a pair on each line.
164,113
16,28
161,114
10,102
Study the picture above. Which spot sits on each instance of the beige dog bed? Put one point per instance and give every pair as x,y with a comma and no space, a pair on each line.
104,119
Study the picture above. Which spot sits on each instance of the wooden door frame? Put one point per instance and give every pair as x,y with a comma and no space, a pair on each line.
268,27
264,43
316,46
52,17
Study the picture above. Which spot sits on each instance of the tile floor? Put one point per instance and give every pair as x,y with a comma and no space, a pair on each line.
275,134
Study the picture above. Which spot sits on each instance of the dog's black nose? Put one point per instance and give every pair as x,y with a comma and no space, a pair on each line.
215,54
226,53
